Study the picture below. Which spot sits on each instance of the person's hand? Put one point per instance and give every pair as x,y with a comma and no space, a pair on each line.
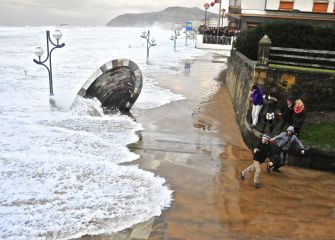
256,150
279,114
302,152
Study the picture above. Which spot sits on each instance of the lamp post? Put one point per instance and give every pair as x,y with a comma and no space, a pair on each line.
223,12
39,53
174,39
219,21
186,36
206,6
150,43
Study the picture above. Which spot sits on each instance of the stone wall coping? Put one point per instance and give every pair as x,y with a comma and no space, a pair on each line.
300,71
244,58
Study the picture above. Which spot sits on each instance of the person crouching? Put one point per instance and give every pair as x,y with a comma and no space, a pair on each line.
260,153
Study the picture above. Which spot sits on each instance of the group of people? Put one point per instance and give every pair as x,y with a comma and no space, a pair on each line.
264,107
221,31
218,35
290,120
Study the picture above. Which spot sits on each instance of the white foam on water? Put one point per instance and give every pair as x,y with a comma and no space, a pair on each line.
85,106
59,167
60,177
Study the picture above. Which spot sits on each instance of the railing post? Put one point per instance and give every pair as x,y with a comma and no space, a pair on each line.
263,57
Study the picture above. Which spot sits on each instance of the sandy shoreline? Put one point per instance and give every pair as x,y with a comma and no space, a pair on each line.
196,145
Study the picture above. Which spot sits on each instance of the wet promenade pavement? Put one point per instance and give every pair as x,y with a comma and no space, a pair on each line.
196,145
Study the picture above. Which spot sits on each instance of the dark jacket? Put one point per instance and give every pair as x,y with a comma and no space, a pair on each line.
262,154
270,105
298,119
287,113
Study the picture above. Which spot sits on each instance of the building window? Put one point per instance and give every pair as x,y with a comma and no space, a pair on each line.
320,6
286,5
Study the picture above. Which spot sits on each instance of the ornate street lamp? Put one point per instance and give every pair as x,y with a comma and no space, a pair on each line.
150,43
206,6
174,38
39,53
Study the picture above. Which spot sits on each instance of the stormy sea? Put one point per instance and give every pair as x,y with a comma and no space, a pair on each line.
60,164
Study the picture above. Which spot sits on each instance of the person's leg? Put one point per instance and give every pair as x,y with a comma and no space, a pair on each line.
247,170
279,161
257,171
271,123
285,157
257,110
264,124
253,113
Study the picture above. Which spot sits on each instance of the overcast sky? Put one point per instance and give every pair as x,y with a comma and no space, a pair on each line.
84,12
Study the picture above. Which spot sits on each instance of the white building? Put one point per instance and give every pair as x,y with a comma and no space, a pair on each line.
246,14
315,6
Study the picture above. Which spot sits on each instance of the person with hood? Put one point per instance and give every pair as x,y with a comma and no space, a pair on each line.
298,116
284,142
257,103
260,153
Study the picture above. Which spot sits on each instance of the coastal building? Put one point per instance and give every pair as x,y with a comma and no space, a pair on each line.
213,22
246,14
196,25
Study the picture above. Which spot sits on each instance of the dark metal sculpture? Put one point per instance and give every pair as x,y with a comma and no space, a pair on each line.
117,84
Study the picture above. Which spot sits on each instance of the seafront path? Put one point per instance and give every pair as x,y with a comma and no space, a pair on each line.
196,145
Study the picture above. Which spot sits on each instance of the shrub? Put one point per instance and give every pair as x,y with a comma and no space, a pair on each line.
319,135
286,34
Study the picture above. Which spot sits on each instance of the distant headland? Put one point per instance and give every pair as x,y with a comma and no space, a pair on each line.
165,17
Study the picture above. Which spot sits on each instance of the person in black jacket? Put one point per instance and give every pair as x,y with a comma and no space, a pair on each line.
285,115
269,115
260,153
298,116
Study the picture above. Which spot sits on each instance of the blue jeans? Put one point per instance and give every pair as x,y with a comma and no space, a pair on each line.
281,159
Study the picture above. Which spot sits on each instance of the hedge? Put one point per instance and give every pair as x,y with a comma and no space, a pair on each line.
286,34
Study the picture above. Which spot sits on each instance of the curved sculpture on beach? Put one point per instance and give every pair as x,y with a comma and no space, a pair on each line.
117,84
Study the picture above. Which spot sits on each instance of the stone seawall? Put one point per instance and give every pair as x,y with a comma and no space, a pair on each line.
239,80
315,89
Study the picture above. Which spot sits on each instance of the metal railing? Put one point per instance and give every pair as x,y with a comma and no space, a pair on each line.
212,39
302,57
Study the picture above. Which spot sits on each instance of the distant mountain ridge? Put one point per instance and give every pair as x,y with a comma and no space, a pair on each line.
169,15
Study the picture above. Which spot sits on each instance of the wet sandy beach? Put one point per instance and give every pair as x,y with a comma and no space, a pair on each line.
197,146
